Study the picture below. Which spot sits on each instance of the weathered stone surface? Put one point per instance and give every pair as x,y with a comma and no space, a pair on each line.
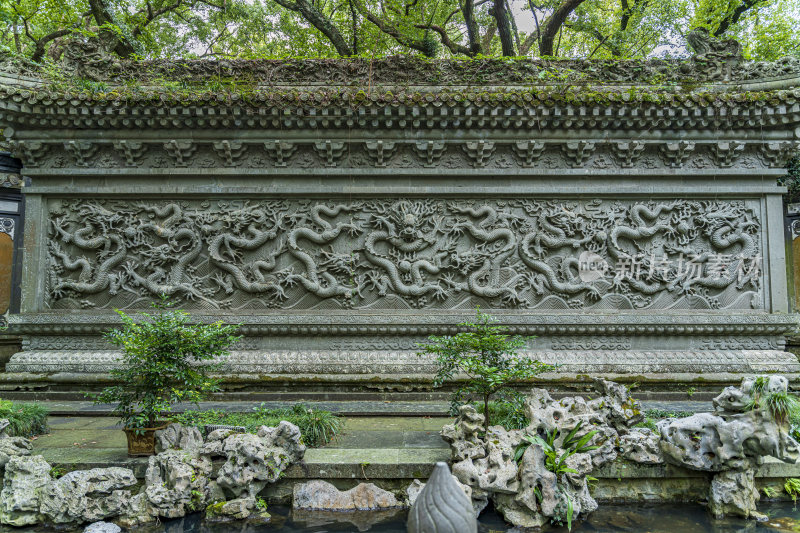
641,445
236,509
87,495
13,447
322,496
26,478
255,460
442,506
528,494
714,443
177,483
178,437
102,527
732,442
734,492
137,512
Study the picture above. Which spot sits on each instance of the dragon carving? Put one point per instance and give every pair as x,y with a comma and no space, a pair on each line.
396,254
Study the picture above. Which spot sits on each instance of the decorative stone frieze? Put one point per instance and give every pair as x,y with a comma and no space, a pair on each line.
549,156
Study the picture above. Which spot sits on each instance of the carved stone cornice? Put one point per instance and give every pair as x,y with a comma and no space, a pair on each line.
601,156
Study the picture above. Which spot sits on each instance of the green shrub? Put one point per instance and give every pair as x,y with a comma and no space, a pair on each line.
317,427
486,358
166,360
25,419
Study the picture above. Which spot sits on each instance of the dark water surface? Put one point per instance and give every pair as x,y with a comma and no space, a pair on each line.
655,518
644,518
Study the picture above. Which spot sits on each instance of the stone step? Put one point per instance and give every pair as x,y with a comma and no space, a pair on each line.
652,386
354,408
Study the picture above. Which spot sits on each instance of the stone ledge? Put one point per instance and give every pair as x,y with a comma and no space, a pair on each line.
393,469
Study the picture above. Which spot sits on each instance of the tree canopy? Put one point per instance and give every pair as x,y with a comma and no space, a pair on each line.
603,29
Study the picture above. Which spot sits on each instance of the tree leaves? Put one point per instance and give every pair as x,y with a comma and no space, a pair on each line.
165,361
329,28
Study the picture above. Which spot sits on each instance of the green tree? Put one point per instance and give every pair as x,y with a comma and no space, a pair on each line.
485,356
620,29
165,360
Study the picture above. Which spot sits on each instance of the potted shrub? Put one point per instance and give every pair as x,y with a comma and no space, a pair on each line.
166,360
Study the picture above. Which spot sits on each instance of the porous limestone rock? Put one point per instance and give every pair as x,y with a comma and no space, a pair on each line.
25,480
317,495
236,509
731,442
442,506
641,445
86,495
495,471
137,512
11,446
102,527
177,483
528,494
255,460
734,492
178,437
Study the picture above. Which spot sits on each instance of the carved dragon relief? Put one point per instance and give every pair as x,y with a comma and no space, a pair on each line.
402,254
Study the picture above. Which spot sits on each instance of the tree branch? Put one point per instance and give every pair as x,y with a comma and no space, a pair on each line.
733,17
320,22
553,25
393,32
152,15
454,48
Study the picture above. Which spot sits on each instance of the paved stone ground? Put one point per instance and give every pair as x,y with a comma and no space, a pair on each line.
90,438
88,441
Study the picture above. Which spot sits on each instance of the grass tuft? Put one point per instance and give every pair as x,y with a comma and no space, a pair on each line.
509,414
25,419
317,427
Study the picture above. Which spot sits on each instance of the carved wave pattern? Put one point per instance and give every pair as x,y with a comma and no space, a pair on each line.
399,254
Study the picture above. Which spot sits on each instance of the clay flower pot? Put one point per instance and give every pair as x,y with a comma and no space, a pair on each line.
142,442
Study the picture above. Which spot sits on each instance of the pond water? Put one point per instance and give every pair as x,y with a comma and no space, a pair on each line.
641,518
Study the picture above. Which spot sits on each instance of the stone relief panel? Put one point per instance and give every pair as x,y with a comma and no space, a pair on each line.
405,254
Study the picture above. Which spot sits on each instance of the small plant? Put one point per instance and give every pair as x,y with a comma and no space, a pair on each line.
783,406
57,472
261,504
507,411
486,355
690,392
24,419
571,445
556,462
648,423
792,488
770,492
165,361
